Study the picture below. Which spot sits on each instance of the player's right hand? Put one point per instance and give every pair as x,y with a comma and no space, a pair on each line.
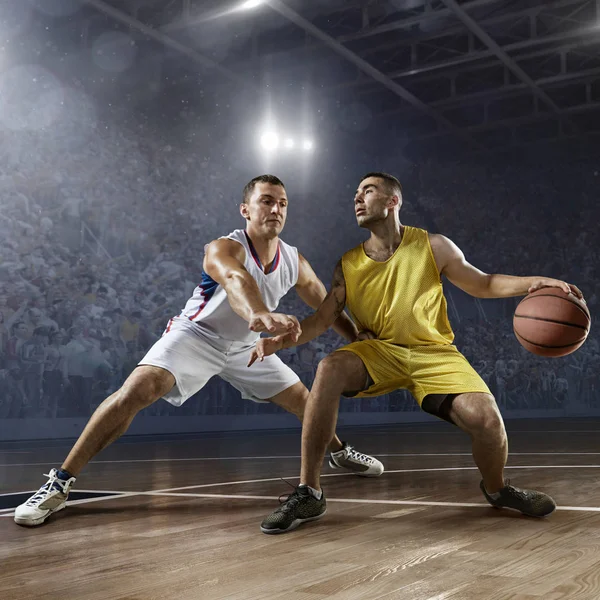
275,324
266,347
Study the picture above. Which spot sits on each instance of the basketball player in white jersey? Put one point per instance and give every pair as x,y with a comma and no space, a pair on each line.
245,274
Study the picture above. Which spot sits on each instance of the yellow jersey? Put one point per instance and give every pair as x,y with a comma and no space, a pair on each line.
400,300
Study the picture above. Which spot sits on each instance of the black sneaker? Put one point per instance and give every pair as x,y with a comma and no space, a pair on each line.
529,502
297,508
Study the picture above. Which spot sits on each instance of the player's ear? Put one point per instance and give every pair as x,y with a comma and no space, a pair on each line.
244,211
395,201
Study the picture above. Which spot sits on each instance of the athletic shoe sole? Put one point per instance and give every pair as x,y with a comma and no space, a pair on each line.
294,524
35,522
526,514
359,473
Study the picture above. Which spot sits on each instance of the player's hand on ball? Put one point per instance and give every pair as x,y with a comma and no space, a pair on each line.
365,334
563,285
275,324
266,347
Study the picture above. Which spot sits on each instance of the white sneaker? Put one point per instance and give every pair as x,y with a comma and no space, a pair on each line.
361,464
50,498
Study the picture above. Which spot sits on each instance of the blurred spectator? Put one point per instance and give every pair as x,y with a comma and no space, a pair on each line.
86,286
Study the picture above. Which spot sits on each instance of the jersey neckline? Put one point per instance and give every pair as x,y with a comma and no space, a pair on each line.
383,262
254,254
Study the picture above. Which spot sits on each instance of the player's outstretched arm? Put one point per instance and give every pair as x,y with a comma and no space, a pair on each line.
313,326
224,262
313,292
452,263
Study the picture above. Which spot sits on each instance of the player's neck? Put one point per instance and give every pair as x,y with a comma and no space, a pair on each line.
385,236
266,248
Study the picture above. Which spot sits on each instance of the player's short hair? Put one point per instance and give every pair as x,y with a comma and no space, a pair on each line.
393,184
249,188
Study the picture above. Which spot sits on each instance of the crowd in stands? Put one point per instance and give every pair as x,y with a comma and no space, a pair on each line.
101,245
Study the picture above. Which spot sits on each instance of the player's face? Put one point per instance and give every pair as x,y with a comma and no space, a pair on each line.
372,202
267,208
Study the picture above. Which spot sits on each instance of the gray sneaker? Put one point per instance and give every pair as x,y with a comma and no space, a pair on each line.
297,508
361,464
50,498
529,502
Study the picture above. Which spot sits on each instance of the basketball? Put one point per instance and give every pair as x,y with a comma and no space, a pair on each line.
550,322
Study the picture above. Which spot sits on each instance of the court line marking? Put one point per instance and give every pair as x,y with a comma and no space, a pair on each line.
344,500
77,490
11,511
345,474
368,501
169,491
273,457
338,500
471,468
114,494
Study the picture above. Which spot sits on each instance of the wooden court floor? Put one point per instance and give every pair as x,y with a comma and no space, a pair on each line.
183,521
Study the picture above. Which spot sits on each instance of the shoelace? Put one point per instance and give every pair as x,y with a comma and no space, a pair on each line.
288,499
40,495
517,492
352,453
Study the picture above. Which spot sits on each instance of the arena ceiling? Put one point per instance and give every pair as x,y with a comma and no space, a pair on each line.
488,73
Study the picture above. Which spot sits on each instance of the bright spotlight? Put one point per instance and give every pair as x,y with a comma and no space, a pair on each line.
269,140
250,4
308,145
289,143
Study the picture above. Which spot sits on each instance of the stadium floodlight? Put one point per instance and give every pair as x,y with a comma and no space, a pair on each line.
269,140
308,145
289,143
250,4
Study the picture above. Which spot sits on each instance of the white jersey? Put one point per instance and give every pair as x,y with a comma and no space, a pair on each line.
209,310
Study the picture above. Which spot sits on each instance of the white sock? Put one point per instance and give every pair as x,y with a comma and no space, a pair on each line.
314,493
494,496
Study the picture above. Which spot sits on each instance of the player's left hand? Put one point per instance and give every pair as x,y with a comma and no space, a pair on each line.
563,285
365,334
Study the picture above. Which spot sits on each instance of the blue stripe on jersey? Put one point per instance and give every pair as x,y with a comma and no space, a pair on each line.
208,286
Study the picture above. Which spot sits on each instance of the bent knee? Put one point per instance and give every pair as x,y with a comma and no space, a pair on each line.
337,362
143,387
343,373
489,418
479,413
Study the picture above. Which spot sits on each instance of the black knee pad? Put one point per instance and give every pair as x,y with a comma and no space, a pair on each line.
439,405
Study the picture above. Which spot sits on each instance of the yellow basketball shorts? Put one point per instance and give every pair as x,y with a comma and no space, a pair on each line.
422,370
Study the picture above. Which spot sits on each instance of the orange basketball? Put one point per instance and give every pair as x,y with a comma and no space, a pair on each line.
549,322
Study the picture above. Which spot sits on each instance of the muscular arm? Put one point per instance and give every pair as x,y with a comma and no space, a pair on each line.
326,315
452,263
224,262
312,292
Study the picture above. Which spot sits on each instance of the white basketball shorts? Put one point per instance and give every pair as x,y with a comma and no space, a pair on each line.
192,357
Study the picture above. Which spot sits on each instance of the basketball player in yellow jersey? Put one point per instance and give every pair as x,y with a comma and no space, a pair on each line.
392,287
